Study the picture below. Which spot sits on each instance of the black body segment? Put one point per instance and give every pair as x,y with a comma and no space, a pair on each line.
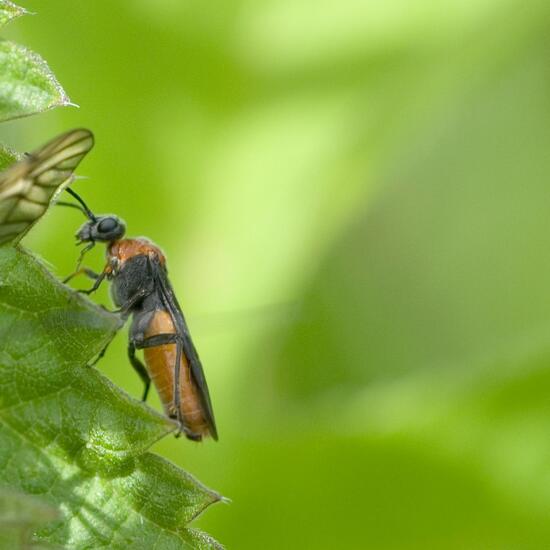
133,283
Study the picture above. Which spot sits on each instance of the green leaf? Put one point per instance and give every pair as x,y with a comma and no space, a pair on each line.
7,157
69,435
10,11
27,85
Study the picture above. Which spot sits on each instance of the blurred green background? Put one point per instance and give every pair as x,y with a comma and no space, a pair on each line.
354,198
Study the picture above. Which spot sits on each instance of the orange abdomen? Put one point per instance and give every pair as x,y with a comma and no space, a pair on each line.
160,362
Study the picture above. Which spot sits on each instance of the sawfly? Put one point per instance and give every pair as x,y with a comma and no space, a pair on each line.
140,288
136,268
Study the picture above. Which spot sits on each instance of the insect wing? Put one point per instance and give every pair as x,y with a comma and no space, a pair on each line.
28,187
189,350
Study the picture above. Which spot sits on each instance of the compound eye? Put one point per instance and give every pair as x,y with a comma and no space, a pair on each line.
107,225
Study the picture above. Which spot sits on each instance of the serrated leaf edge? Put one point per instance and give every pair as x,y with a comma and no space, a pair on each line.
39,62
17,11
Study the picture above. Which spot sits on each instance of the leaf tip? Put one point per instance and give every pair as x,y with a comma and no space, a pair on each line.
10,11
24,11
29,72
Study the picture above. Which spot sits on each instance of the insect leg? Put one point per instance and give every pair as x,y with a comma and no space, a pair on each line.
151,342
101,353
139,368
83,270
98,282
139,295
81,256
160,340
177,397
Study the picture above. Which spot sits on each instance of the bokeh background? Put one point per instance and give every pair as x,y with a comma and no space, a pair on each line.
354,198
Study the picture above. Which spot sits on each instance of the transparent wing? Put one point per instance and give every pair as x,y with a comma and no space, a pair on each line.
28,187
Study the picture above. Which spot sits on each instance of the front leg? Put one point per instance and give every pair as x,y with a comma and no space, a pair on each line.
82,271
87,248
97,284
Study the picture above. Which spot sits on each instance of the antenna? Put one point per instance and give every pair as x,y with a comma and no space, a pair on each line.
72,205
84,208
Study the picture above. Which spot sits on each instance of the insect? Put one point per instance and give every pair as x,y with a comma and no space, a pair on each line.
28,186
141,288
